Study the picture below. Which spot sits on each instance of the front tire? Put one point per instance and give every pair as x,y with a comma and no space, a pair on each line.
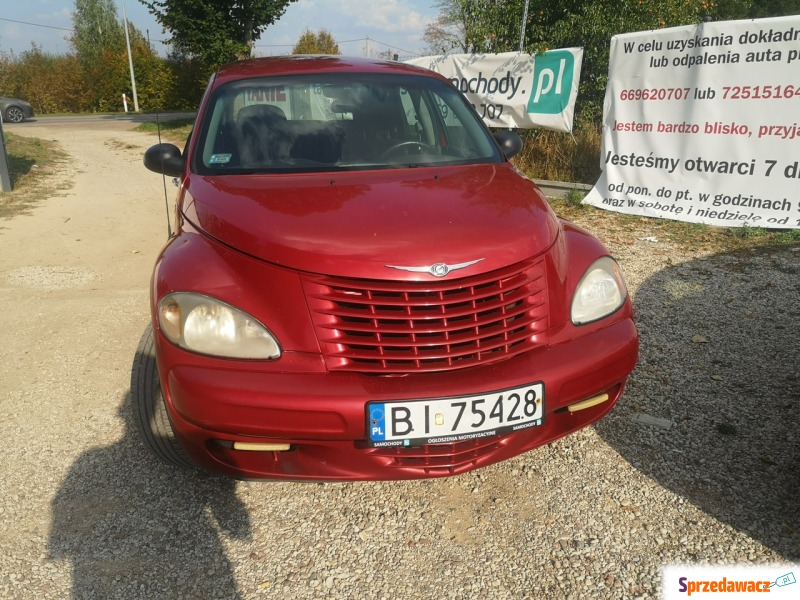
149,412
14,114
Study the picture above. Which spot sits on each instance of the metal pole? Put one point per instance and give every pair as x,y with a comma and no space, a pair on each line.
524,26
130,60
5,176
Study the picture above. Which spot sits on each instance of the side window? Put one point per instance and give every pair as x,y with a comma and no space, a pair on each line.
418,115
448,116
428,127
460,142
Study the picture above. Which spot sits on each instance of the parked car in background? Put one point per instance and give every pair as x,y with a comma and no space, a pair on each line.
15,110
363,286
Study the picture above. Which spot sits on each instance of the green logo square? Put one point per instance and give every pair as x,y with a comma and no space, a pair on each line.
552,82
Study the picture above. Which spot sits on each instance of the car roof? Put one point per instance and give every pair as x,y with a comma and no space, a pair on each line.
299,64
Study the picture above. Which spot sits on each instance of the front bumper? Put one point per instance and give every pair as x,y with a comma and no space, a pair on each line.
321,415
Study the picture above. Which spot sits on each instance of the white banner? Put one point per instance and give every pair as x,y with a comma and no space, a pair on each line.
701,124
513,89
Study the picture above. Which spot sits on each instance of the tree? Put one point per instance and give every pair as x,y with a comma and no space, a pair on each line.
594,24
316,43
99,41
96,29
774,8
189,79
216,31
448,31
100,46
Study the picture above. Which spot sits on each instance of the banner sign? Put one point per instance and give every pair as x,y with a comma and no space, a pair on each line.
513,89
701,124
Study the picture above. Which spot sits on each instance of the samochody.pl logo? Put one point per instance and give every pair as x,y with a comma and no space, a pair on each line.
552,82
729,581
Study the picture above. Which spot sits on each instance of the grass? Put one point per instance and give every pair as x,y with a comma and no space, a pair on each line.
34,166
574,198
561,156
790,236
620,228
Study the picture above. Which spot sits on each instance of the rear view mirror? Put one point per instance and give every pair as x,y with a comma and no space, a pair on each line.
510,142
165,159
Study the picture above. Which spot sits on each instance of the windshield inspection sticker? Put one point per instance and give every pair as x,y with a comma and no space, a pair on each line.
220,159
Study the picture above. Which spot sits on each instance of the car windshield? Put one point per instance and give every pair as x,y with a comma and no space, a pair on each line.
339,122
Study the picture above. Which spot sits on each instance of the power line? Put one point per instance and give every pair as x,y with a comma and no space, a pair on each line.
37,25
395,47
59,28
348,41
364,39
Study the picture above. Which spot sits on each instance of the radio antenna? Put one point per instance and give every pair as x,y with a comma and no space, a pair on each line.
163,177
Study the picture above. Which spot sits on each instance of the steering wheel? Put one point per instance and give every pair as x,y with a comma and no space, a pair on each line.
406,146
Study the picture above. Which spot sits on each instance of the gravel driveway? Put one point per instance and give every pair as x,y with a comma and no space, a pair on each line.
87,513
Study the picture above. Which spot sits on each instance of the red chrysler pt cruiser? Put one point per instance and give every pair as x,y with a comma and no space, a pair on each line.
362,286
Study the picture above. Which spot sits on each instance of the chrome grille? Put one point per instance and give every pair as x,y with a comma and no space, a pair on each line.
377,326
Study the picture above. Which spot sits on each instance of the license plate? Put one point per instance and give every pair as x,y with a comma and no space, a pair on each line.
447,420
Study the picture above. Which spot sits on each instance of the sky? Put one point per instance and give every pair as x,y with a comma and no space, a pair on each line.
398,24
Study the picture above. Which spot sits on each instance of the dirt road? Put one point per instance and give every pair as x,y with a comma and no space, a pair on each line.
87,512
74,277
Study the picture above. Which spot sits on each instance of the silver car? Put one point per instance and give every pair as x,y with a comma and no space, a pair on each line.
14,110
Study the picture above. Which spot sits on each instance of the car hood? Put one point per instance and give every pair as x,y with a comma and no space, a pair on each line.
356,223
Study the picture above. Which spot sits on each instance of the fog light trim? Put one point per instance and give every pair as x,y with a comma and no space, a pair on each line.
584,404
261,447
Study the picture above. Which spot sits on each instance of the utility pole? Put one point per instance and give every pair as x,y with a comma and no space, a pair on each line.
130,60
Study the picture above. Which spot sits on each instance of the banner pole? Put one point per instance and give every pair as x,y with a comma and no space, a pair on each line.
5,176
523,26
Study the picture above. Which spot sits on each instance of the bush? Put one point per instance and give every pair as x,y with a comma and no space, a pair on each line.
51,83
562,156
65,84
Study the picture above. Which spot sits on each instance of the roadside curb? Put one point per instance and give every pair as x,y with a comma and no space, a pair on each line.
560,189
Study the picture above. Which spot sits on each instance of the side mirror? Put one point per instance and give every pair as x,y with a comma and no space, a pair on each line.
165,159
510,142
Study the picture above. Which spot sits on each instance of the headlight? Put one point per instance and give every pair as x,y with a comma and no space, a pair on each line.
600,292
207,326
